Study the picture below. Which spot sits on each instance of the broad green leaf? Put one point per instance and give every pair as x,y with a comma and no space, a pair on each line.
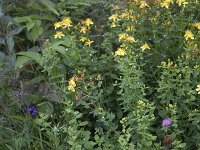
21,60
23,19
30,25
83,123
50,6
33,55
61,50
35,32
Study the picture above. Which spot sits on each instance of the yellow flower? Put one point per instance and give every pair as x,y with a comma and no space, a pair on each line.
166,3
83,38
122,36
188,35
57,25
130,28
145,46
130,39
124,15
143,4
88,22
198,89
113,25
58,35
72,85
120,52
114,17
66,23
88,42
197,25
83,29
126,37
181,2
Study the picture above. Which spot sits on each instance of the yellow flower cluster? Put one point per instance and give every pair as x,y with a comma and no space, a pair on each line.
130,28
114,18
198,89
188,35
181,2
124,37
166,3
65,23
143,4
120,52
85,25
87,42
197,25
72,84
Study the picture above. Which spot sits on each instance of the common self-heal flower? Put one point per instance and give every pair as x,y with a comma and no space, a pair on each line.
32,110
166,122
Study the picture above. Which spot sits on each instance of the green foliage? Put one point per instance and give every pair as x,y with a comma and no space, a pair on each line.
99,75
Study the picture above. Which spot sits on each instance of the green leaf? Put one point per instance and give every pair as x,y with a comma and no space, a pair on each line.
61,50
17,30
20,61
33,55
10,43
9,147
83,123
23,19
36,31
46,108
50,6
30,25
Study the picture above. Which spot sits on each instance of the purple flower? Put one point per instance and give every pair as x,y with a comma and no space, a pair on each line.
32,111
166,122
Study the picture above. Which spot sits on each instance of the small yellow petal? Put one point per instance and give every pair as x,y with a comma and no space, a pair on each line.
58,35
145,46
120,52
188,35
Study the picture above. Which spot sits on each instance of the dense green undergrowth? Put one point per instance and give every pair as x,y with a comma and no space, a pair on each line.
103,75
